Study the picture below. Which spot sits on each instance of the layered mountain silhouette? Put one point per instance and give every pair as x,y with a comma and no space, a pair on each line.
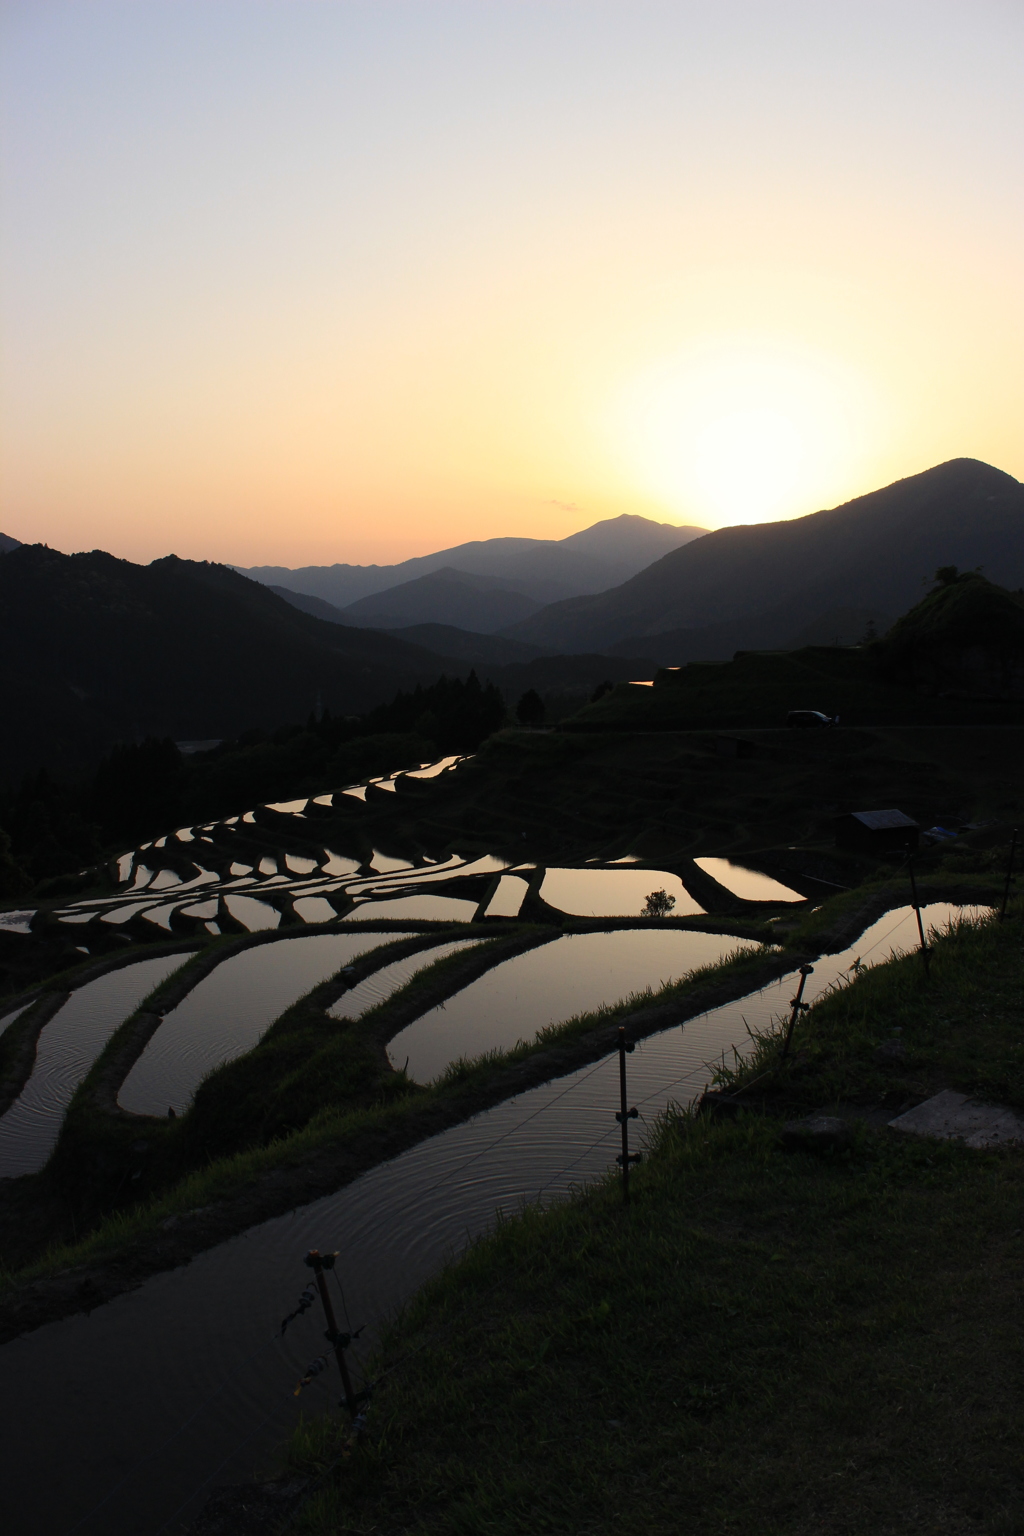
545,570
7,543
817,577
449,641
97,650
444,639
480,603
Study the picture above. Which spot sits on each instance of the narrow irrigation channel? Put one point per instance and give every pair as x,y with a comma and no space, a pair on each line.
129,1415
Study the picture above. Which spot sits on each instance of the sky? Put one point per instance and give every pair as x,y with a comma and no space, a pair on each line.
303,281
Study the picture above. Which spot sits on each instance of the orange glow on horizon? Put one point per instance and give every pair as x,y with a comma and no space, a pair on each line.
394,278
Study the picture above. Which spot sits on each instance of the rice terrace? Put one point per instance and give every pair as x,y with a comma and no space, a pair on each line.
511,793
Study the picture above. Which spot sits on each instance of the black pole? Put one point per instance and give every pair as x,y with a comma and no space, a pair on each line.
318,1262
624,1116
1009,874
797,1004
917,908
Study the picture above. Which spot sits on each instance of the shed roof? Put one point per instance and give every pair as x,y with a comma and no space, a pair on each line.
881,821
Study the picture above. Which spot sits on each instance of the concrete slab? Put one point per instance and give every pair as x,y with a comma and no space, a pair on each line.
950,1116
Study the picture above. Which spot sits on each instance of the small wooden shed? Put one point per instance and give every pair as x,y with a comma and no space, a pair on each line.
876,831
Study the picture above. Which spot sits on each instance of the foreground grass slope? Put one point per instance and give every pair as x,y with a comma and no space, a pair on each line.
761,1342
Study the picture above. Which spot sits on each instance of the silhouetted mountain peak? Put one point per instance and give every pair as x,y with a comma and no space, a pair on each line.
542,569
870,553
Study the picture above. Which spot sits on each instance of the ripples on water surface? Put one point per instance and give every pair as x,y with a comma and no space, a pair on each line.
376,988
573,974
229,1010
68,1046
134,1371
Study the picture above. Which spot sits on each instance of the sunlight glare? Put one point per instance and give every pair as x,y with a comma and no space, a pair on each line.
744,431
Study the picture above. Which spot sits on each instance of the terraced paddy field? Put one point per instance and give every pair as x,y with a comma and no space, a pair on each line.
289,989
207,1325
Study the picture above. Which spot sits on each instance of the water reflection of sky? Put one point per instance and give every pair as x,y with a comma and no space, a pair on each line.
748,884
445,909
228,1011
378,986
573,974
68,1045
613,892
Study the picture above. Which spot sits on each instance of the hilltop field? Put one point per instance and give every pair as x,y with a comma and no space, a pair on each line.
765,1341
770,1341
597,789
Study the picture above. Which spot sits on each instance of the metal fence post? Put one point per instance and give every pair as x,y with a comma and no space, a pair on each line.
925,952
1009,875
318,1262
798,1005
624,1116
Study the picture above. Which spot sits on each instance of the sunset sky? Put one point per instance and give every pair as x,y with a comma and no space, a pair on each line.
297,281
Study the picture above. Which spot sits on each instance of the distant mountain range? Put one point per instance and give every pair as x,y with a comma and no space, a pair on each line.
445,639
812,579
544,570
97,649
481,603
467,603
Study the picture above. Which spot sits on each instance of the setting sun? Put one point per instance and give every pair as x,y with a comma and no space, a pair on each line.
745,431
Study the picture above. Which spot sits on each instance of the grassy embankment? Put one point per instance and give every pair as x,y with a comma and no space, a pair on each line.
668,796
763,1342
566,796
314,1089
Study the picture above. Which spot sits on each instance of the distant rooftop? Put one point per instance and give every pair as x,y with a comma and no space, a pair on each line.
881,821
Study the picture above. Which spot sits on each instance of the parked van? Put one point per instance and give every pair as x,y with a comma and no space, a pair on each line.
810,719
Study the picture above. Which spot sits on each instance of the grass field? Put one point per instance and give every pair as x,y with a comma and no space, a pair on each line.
762,1342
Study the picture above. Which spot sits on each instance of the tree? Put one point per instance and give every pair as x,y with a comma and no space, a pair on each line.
658,904
600,691
13,879
946,575
530,709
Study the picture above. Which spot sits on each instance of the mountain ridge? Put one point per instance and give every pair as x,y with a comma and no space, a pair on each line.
100,650
544,569
460,598
871,553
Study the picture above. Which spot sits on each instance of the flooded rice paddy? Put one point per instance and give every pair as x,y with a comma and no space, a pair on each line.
177,1387
614,892
258,881
748,884
174,1387
229,1010
68,1046
424,909
379,986
574,974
